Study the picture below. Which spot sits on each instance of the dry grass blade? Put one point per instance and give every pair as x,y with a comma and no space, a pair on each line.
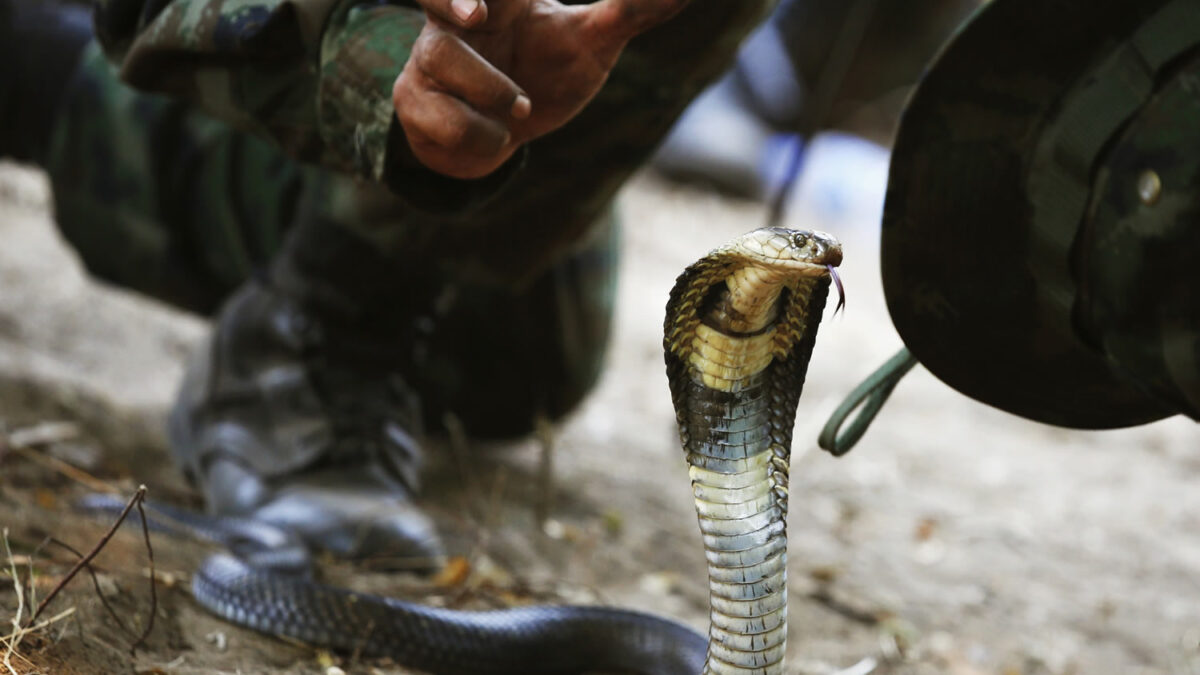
13,639
16,635
11,644
22,442
153,586
85,562
96,586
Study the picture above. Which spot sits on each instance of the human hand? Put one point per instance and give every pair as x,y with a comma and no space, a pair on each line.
483,79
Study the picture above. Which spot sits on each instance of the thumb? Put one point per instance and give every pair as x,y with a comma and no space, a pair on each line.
618,21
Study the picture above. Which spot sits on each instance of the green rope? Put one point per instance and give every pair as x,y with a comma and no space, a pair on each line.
870,396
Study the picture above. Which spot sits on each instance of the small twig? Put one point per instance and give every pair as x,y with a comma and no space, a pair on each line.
32,582
96,585
153,586
85,560
137,498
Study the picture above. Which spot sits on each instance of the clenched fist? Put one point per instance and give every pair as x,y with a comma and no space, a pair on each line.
483,79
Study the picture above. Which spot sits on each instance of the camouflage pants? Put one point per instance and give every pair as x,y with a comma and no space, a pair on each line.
159,198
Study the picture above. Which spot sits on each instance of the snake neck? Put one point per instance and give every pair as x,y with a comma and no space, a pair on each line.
739,472
739,482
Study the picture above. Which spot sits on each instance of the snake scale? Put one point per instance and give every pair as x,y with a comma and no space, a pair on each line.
740,328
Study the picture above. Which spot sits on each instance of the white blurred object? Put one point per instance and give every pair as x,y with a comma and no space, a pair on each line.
864,667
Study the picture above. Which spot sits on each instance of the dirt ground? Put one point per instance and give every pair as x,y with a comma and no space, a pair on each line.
955,538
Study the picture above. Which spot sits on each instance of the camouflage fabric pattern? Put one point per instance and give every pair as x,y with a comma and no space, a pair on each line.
267,68
359,56
992,185
315,76
157,197
184,194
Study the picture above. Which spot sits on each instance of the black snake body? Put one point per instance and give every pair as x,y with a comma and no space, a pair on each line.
535,640
739,331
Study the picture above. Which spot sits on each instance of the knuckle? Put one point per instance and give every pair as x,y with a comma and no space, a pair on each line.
405,117
434,48
451,130
456,134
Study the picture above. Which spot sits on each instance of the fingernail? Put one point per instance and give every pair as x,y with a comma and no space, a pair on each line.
521,107
465,9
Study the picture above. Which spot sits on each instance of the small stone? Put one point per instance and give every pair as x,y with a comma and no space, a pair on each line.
554,529
218,640
660,583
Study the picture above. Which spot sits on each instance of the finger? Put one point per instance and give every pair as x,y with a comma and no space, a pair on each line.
438,118
455,68
618,21
464,13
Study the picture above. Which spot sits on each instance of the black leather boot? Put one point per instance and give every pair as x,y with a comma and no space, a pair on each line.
40,45
296,412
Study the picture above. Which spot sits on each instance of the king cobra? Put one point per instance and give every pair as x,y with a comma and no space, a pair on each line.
739,332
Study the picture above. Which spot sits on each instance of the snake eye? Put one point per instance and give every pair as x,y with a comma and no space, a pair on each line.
800,240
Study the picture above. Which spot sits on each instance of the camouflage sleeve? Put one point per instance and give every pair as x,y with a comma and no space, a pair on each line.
315,76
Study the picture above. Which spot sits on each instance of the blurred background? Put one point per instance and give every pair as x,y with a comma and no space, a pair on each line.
954,539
